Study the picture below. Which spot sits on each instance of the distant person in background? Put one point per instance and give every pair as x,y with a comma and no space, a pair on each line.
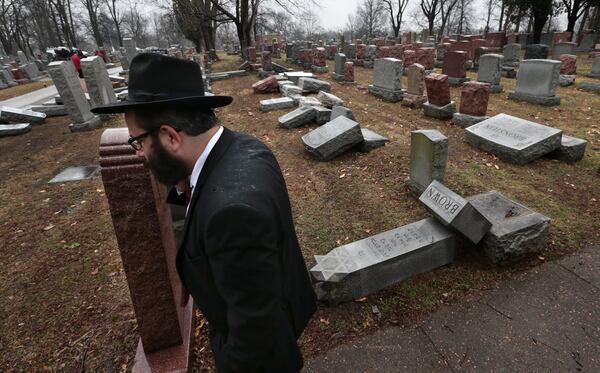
102,54
77,63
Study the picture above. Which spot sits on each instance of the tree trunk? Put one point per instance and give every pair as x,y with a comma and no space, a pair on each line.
583,20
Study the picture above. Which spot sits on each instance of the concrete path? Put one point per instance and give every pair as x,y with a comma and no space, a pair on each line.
41,95
543,320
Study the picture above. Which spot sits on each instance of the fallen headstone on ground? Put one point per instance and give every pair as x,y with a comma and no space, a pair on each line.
267,85
14,129
329,100
311,85
15,115
590,87
371,140
50,110
276,103
363,267
571,149
333,138
338,110
296,118
75,173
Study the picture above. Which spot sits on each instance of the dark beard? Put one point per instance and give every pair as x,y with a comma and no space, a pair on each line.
167,169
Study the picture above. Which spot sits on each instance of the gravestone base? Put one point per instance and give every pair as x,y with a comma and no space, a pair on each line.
509,72
414,101
571,149
263,73
337,77
386,94
439,112
457,82
51,110
589,86
91,124
496,88
516,230
592,75
465,120
319,69
566,80
538,100
14,129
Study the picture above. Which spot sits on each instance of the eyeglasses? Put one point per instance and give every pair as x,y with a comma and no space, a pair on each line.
136,143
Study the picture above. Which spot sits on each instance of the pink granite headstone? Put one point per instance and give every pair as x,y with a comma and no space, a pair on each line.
454,64
410,57
383,52
561,37
267,85
361,50
396,51
319,57
438,89
144,231
474,98
267,64
251,53
568,64
348,72
426,57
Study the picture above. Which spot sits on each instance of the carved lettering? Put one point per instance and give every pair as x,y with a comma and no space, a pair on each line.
505,132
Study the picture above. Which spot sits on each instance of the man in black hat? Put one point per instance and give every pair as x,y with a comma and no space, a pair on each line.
239,257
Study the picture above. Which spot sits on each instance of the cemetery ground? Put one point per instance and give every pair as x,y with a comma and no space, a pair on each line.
22,89
64,299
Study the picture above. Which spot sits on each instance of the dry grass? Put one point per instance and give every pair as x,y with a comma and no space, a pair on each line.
64,298
22,89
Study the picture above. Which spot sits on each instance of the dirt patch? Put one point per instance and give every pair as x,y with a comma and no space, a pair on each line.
22,89
64,301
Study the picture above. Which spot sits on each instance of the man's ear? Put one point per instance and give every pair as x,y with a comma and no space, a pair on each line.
171,139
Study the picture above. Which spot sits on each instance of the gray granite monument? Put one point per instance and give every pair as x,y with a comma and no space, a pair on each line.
333,138
537,81
490,71
428,157
387,79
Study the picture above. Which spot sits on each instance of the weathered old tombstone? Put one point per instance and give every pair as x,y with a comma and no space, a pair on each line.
370,56
251,54
490,71
516,230
454,67
536,82
473,104
15,115
290,90
414,97
319,62
67,83
563,48
295,76
50,110
267,85
350,51
277,103
130,50
338,111
478,53
333,138
296,118
363,267
452,210
329,100
568,69
14,129
145,235
513,139
371,140
428,157
322,114
440,53
338,69
536,52
31,71
439,104
426,57
512,55
8,78
387,79
267,64
97,81
349,73
22,57
595,73
590,87
312,85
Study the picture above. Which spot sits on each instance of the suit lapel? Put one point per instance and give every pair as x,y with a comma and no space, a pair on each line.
212,160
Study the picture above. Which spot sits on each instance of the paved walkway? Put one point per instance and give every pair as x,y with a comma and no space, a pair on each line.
40,96
544,320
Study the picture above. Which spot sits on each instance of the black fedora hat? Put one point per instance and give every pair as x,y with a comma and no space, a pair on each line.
157,80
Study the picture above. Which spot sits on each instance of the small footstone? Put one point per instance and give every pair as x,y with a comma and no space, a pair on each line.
371,141
51,110
589,86
428,156
19,115
514,139
571,149
14,129
566,80
363,267
466,120
329,100
439,112
298,117
276,103
333,138
310,85
516,230
322,115
453,210
337,111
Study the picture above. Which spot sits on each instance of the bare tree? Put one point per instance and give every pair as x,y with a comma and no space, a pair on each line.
116,17
310,21
396,10
370,15
446,8
431,9
197,19
351,25
135,22
92,7
575,9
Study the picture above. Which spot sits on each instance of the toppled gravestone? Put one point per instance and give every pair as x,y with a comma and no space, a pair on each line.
267,85
333,138
296,118
571,149
51,110
516,230
363,267
371,140
15,115
454,211
14,129
514,139
339,110
311,85
329,100
277,103
322,114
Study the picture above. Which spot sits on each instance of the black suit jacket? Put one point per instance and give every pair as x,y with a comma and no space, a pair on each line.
241,261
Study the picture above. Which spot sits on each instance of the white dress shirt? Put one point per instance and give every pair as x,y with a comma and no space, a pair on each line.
201,160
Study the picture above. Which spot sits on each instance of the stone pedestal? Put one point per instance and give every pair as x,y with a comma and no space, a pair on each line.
144,231
67,83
